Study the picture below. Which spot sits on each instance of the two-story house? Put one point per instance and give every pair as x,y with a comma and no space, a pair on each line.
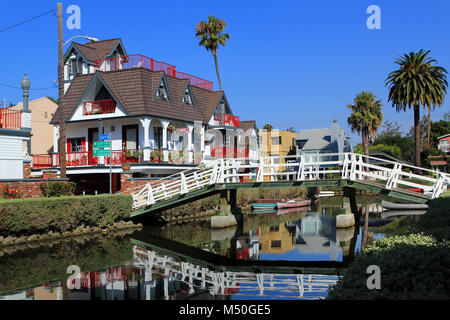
311,142
159,120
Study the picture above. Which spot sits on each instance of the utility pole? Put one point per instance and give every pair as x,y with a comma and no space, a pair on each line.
62,133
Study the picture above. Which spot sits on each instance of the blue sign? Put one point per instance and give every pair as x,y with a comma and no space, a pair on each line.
103,137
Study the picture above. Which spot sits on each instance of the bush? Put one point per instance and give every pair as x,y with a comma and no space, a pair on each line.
57,188
9,193
63,213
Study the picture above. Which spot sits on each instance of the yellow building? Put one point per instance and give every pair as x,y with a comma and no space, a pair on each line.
277,143
275,239
42,111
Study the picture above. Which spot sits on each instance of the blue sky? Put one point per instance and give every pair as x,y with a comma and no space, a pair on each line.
288,63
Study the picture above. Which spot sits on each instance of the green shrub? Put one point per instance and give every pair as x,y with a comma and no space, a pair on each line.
63,213
57,188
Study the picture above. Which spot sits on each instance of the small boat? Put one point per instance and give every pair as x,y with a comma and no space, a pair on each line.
403,206
326,194
293,204
266,204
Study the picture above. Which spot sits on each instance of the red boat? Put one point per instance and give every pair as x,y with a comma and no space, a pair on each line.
293,204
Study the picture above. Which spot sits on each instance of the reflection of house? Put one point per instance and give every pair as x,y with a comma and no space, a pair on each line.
275,239
42,110
328,140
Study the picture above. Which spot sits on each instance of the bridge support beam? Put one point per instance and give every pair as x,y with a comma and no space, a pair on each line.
228,214
351,194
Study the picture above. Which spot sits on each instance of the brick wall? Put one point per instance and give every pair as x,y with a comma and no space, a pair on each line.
28,188
129,184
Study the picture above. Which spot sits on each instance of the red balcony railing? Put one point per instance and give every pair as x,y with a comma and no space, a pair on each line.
227,120
99,107
140,61
10,119
229,152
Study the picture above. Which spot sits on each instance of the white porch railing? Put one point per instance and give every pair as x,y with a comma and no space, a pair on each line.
351,166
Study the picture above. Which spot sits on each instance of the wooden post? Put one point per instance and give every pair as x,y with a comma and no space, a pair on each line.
351,194
233,200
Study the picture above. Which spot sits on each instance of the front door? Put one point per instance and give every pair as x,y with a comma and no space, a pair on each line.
130,137
92,137
157,131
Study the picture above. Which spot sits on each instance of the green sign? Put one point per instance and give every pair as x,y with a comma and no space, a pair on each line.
101,144
101,153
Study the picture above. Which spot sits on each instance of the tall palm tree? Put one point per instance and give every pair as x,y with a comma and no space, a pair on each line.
366,118
211,36
417,82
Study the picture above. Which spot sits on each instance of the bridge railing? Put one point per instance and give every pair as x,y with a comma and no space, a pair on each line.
349,166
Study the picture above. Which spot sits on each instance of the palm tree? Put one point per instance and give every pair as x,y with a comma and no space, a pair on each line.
268,127
417,82
366,118
211,36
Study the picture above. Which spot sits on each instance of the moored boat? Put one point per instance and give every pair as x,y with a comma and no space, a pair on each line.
293,204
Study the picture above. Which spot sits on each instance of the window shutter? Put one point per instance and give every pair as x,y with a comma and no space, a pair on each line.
83,144
69,146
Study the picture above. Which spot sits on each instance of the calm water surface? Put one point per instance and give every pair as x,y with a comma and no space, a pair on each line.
293,255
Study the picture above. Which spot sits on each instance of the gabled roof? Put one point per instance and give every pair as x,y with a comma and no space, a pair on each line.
316,138
249,124
95,50
136,88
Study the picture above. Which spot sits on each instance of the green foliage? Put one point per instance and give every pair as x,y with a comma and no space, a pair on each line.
414,262
57,188
63,213
392,149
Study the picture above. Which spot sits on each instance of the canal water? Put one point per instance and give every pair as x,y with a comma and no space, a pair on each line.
287,255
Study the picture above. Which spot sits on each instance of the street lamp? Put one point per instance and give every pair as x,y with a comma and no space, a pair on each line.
86,37
25,83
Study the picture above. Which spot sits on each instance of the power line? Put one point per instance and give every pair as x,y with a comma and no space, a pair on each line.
14,87
28,20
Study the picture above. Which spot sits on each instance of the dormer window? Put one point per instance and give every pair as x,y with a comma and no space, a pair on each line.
162,93
75,66
187,97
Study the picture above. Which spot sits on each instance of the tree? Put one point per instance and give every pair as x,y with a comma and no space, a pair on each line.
366,118
211,36
417,82
268,127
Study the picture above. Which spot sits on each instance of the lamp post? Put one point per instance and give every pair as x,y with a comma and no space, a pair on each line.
25,83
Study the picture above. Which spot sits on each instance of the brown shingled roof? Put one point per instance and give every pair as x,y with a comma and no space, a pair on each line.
96,49
248,124
135,90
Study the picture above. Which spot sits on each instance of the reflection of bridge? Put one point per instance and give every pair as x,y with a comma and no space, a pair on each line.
282,286
344,170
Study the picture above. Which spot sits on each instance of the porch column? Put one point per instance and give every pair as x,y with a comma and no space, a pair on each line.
165,125
55,138
202,139
145,122
189,144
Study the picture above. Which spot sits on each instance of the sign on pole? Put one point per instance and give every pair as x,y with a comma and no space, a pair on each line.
103,137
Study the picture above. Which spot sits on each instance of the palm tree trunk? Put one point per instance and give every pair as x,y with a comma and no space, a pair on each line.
417,136
429,126
365,141
217,71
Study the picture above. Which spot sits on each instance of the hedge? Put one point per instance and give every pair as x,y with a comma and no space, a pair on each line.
414,261
27,216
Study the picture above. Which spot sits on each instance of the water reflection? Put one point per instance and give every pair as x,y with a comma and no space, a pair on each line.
291,256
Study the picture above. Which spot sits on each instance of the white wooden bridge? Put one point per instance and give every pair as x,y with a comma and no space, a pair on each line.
280,286
338,169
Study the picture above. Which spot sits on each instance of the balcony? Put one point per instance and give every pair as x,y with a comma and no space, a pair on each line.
229,152
140,61
10,119
99,107
227,120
